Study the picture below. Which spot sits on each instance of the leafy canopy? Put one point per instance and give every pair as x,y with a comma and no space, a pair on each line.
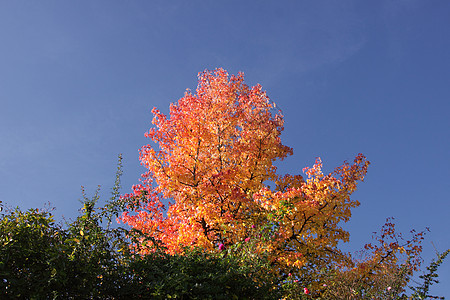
214,162
211,183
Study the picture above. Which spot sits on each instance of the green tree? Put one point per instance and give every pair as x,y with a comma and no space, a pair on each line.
422,291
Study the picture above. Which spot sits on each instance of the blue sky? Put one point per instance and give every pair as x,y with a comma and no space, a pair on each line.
78,80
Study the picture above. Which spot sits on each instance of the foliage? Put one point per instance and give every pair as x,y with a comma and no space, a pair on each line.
90,260
381,271
216,150
198,275
214,166
41,259
233,228
29,252
422,291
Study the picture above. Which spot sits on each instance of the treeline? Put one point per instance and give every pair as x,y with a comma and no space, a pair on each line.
86,259
90,258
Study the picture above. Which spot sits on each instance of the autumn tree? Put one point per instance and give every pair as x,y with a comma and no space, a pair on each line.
212,183
216,151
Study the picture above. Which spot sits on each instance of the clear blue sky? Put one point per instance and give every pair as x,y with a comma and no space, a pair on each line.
78,80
